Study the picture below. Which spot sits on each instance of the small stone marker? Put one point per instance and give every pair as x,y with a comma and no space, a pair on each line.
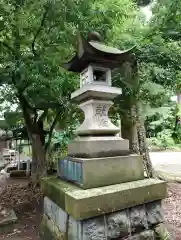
7,219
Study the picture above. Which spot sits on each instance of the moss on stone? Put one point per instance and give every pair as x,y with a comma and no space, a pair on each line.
82,204
55,189
161,232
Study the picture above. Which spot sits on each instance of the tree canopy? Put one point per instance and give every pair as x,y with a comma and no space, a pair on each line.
36,38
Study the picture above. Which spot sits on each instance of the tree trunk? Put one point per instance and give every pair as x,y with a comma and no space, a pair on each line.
129,130
126,126
37,139
133,129
134,136
38,159
143,145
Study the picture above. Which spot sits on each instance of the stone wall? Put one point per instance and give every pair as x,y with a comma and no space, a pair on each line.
142,222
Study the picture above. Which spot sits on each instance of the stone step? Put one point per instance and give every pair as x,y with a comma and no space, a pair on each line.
82,204
98,172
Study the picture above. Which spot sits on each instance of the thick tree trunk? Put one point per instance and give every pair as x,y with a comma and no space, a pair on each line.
129,130
133,129
38,159
37,139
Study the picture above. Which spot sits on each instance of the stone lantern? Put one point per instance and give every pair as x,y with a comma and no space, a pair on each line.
101,191
94,61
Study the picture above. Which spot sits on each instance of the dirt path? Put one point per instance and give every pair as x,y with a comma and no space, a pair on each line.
27,205
29,217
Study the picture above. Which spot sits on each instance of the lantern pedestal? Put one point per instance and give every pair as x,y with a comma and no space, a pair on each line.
122,211
96,120
98,146
104,171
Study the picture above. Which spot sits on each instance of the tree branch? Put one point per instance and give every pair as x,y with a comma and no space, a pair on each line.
40,28
51,130
19,93
43,116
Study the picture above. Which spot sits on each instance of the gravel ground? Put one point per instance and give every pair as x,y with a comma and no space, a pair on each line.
172,209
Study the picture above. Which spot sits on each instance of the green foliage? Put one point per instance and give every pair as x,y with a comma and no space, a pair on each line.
61,139
14,119
59,144
164,140
162,130
37,37
161,56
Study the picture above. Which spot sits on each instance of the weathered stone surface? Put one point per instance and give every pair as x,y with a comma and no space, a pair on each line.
7,220
114,224
131,222
93,147
154,213
94,229
48,230
96,120
93,202
110,226
118,224
95,91
145,235
138,218
75,229
56,214
7,216
55,189
82,204
97,172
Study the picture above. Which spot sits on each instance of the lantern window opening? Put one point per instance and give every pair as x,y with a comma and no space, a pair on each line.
94,74
101,75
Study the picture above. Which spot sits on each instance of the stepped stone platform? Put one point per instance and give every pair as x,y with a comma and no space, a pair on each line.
82,204
129,210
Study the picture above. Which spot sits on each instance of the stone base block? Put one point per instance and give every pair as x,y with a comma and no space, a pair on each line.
97,172
8,219
93,147
83,204
130,224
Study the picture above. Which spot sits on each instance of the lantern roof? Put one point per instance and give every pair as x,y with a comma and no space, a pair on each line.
93,51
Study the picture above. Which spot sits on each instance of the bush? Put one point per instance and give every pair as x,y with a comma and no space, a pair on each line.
164,141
